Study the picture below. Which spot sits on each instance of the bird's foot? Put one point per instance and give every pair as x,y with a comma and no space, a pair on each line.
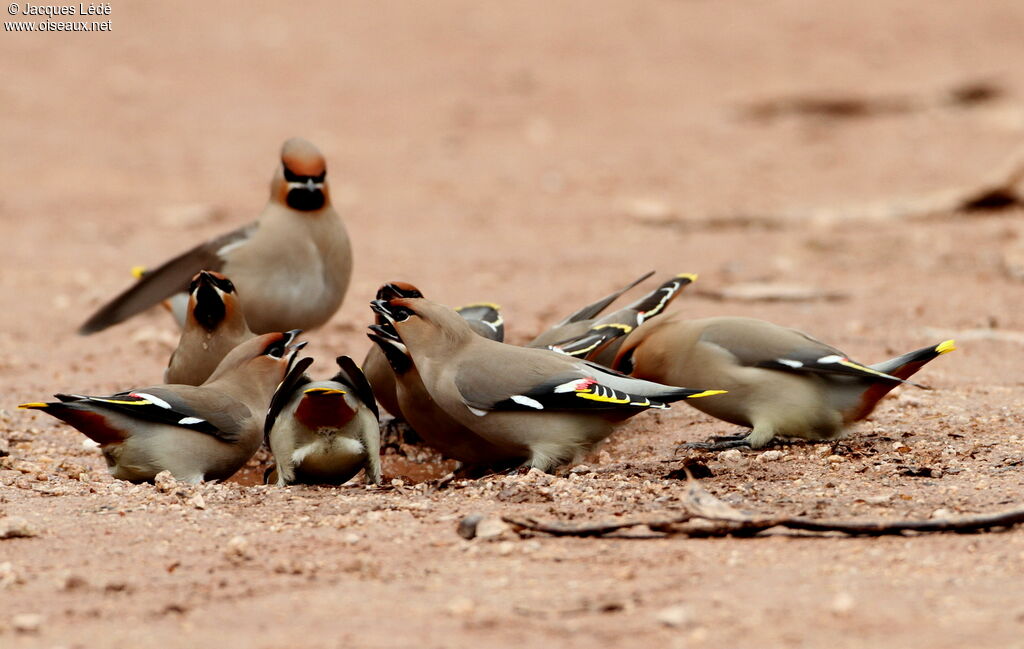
717,444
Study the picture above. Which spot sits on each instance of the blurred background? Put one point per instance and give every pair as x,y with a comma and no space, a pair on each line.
533,153
848,168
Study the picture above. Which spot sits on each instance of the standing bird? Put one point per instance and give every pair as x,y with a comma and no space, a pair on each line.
484,317
323,432
536,406
780,381
197,433
292,265
214,325
601,341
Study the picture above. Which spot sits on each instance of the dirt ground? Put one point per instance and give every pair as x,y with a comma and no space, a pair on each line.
538,155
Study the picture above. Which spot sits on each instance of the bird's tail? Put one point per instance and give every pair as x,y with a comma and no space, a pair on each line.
908,364
75,411
902,367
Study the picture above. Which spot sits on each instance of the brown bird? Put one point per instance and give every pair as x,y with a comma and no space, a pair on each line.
780,381
292,265
323,432
214,325
435,426
197,433
484,317
536,406
601,341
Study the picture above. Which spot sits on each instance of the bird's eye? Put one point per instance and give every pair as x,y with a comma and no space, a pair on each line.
224,284
275,349
291,176
401,313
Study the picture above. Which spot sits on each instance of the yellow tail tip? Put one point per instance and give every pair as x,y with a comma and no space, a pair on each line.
489,305
32,405
138,271
945,347
690,276
706,393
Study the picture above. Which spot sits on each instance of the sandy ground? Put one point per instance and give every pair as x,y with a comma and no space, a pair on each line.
538,155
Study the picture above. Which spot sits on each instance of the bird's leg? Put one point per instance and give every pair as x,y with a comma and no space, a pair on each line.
285,473
397,432
757,438
719,442
371,443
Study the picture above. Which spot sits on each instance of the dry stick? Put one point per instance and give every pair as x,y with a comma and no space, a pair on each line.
705,508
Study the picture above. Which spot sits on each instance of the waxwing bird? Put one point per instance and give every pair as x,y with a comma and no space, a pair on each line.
601,341
214,325
435,426
324,432
484,317
292,265
534,405
780,381
197,433
578,322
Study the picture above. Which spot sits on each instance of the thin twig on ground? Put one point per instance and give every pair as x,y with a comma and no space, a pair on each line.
707,516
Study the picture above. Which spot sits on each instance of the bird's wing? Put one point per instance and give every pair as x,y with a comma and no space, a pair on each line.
173,276
201,410
795,351
293,380
575,386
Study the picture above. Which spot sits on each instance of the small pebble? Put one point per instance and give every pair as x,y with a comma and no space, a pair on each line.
238,548
165,482
467,526
842,604
461,606
732,456
15,527
770,456
491,527
675,616
27,623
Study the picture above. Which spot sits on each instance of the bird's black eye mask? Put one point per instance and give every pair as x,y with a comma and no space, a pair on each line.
281,346
223,283
392,312
305,193
293,177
